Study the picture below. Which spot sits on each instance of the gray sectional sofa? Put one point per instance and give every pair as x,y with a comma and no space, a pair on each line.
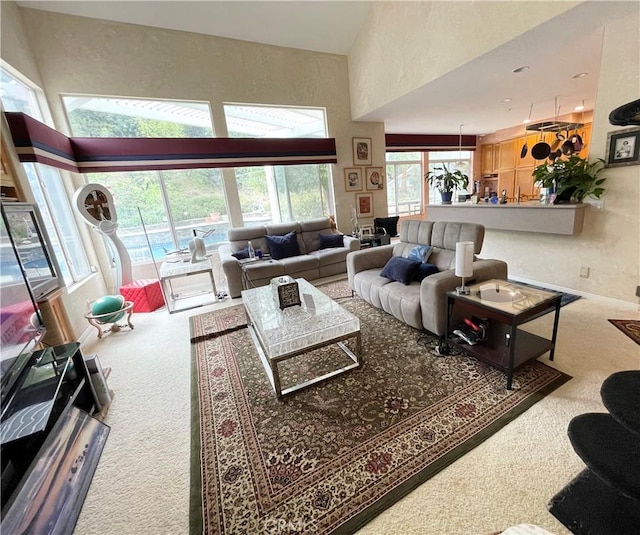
312,262
420,304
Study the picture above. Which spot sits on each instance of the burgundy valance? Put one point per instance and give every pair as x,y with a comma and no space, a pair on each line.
36,142
428,142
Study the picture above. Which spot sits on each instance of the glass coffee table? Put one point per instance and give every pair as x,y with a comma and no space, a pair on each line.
503,306
283,334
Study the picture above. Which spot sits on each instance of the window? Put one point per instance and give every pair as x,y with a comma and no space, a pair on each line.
452,159
283,192
46,184
168,205
404,183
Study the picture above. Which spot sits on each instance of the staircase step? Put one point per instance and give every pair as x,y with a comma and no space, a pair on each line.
588,506
621,396
609,450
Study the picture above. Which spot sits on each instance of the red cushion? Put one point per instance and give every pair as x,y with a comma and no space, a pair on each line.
145,294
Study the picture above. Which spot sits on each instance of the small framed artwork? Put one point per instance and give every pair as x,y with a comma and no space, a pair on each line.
361,151
353,179
374,178
366,231
623,147
364,204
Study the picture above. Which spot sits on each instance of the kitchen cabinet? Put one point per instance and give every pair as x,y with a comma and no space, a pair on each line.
528,160
488,158
524,179
506,181
507,154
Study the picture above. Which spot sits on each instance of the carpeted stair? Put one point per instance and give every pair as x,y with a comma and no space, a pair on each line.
604,499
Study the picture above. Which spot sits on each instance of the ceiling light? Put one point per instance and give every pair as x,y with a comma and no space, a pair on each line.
579,108
521,69
526,121
581,75
507,100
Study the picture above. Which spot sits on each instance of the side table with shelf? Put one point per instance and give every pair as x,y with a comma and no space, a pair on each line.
506,305
174,270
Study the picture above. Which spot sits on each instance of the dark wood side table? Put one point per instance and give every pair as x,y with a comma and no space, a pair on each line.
505,305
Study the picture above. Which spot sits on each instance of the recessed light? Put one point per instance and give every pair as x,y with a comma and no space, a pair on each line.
526,121
521,69
578,108
507,100
581,75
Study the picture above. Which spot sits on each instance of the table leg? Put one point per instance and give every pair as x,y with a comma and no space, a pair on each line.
555,329
511,342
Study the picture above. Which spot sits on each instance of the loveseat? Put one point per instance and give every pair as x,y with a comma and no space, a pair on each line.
420,304
319,251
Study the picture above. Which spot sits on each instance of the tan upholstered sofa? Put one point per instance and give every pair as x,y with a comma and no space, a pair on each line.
420,304
312,262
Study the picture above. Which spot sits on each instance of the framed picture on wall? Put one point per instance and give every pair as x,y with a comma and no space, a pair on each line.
364,204
361,151
353,179
623,147
374,178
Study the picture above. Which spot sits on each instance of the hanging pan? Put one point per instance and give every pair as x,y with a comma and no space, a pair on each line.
541,150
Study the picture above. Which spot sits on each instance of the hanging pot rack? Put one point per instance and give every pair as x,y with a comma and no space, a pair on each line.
553,126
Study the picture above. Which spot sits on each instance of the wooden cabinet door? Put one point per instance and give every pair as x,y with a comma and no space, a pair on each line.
507,157
524,179
506,181
528,160
487,158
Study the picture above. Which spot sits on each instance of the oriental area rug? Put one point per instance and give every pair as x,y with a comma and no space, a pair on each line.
629,327
330,457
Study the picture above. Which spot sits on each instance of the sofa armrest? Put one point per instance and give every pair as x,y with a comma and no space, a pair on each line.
231,269
372,258
433,291
351,243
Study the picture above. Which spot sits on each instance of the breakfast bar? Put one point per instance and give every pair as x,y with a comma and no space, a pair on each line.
523,217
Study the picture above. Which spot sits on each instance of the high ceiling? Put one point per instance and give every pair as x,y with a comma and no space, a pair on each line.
474,95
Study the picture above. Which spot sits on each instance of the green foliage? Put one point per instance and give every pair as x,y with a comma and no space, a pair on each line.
575,174
444,180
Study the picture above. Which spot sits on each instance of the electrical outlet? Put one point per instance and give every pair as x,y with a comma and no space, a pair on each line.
584,272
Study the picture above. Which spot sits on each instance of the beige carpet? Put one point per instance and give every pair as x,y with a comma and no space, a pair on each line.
141,485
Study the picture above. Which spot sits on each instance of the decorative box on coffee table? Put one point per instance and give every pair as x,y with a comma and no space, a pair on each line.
286,290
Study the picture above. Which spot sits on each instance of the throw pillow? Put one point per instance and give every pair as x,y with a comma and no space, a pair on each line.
242,253
389,224
424,270
421,253
283,246
400,269
326,241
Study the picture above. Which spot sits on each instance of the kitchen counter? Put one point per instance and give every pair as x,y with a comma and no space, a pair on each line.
523,217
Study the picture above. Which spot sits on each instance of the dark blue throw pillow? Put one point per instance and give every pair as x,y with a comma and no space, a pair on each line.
325,241
242,253
400,269
424,270
283,246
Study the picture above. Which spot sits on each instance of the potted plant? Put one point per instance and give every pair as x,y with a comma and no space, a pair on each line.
572,179
446,181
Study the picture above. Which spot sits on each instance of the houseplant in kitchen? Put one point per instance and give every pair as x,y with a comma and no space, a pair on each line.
572,179
446,181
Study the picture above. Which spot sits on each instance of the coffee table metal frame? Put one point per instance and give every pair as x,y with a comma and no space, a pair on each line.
507,346
289,318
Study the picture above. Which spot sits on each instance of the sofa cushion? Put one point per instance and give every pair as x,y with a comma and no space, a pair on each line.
283,246
424,270
400,269
242,253
421,253
326,241
389,224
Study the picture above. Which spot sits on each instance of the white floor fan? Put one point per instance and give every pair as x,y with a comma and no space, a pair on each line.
95,204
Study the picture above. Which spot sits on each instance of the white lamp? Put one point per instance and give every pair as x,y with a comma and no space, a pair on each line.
464,264
197,247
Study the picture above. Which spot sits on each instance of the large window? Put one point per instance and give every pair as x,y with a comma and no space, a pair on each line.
285,192
452,159
168,205
404,183
46,184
